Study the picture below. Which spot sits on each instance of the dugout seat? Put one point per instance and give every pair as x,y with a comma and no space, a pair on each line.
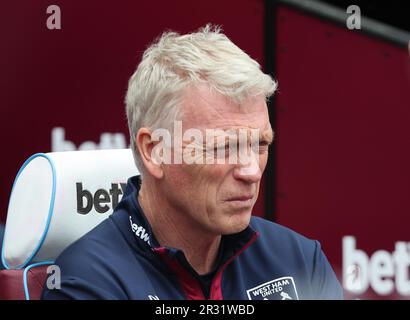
56,198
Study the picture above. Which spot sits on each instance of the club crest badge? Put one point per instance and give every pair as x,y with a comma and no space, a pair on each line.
278,289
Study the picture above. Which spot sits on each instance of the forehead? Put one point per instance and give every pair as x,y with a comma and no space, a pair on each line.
204,108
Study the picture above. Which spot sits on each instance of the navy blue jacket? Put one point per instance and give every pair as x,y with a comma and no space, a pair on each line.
120,259
1,243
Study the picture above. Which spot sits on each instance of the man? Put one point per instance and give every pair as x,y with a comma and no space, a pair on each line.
200,132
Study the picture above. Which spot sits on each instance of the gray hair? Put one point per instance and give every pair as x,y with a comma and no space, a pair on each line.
175,62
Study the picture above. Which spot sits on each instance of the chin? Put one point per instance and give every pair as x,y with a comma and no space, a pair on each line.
237,223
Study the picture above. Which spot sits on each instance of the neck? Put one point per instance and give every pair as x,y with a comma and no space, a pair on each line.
174,229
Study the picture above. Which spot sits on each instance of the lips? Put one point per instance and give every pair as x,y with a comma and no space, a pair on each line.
241,198
241,202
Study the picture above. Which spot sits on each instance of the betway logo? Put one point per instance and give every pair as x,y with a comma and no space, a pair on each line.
100,200
107,141
139,231
383,271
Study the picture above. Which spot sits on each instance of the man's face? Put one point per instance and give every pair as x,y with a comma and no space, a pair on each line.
218,198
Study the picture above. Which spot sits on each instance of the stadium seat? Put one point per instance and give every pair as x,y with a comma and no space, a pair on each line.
56,198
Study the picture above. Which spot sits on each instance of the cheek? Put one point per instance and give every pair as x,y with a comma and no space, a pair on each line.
207,174
263,160
197,185
210,179
176,177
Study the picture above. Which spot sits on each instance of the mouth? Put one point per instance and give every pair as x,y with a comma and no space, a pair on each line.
241,198
240,201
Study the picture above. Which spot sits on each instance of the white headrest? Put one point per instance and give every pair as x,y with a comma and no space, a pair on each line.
58,197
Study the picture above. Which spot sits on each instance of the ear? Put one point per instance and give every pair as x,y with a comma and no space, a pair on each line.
145,146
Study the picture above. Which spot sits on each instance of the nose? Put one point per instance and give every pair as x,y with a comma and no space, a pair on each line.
249,170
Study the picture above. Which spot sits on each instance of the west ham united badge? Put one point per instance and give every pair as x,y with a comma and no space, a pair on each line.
278,289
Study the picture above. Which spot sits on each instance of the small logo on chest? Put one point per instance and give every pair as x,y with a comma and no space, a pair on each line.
278,289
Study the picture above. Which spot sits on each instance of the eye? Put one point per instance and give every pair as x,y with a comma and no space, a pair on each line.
263,146
222,150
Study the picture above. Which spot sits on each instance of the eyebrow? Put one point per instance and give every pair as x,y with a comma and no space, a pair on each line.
267,135
264,136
